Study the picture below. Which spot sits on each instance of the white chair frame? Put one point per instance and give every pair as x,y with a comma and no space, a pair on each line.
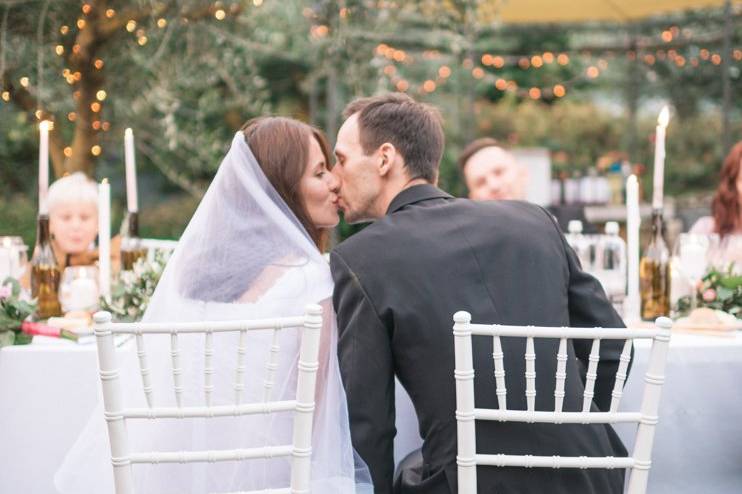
153,245
466,414
303,406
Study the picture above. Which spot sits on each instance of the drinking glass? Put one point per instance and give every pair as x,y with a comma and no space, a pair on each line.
693,253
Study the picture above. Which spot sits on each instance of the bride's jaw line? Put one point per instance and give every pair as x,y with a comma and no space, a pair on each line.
319,189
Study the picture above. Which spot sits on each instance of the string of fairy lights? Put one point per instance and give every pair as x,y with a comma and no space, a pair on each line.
67,45
395,64
393,60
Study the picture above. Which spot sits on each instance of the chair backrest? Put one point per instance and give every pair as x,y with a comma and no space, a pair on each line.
466,414
303,406
153,245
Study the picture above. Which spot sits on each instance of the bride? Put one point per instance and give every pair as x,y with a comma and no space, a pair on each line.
253,249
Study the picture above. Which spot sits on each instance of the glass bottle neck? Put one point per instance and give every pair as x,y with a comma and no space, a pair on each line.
43,251
132,230
658,223
42,230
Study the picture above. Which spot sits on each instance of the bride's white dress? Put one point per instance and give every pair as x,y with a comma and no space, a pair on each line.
244,255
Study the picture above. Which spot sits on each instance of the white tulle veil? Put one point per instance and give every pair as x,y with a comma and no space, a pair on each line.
244,255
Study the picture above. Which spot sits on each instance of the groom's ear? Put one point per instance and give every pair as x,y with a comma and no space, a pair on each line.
387,157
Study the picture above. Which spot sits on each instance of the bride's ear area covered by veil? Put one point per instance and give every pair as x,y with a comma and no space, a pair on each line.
246,254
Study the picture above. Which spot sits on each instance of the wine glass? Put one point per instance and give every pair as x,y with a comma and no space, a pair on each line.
13,257
728,253
693,253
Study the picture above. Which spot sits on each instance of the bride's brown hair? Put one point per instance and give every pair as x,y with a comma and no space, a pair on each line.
281,147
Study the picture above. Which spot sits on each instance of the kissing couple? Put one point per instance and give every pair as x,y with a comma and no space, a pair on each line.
254,249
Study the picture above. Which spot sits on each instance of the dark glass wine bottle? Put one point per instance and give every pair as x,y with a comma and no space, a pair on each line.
131,248
654,273
45,273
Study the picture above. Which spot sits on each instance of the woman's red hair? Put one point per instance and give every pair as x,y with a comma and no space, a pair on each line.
726,205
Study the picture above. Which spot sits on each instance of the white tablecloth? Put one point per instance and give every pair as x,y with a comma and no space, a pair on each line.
47,393
698,441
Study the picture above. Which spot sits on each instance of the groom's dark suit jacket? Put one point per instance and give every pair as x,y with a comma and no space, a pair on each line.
399,282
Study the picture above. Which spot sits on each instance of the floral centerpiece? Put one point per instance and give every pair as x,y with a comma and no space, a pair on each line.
132,290
718,290
16,314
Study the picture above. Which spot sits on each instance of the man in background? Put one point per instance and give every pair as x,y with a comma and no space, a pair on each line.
492,173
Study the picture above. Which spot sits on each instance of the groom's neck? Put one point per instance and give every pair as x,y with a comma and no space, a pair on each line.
392,190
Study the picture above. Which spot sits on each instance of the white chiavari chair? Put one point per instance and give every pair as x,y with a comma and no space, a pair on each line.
154,245
116,413
466,414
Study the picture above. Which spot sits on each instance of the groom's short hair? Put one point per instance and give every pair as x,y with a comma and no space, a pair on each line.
414,128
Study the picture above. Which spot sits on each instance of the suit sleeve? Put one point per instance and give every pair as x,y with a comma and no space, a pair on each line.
589,307
367,369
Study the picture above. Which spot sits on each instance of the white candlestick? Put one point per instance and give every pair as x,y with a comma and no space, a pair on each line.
132,202
659,158
633,223
43,165
104,238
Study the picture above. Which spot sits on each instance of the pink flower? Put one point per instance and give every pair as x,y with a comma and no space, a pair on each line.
5,292
709,295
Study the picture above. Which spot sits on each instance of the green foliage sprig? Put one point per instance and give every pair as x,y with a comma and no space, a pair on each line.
13,311
131,293
718,290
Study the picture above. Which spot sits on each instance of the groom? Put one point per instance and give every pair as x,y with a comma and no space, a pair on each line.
427,255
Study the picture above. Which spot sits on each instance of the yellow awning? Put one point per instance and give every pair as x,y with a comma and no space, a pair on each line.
565,11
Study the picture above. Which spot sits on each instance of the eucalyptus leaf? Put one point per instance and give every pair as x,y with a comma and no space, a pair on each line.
7,338
723,293
731,282
15,286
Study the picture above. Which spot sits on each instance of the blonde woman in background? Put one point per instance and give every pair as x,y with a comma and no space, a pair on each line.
73,221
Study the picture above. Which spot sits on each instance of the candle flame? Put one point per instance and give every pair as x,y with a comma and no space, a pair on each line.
104,181
44,124
664,117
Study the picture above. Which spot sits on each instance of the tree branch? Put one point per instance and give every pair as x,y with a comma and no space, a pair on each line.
24,100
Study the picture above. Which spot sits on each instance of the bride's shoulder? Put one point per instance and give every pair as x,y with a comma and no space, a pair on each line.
288,275
704,226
